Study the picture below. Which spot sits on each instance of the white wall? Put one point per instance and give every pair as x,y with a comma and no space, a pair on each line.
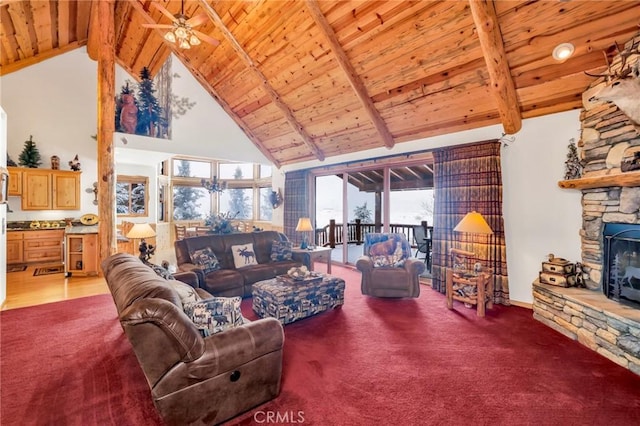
55,101
539,217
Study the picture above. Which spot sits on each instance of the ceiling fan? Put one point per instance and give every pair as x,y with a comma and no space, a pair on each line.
182,31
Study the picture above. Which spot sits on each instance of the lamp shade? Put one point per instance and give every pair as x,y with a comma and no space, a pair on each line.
473,223
141,230
304,225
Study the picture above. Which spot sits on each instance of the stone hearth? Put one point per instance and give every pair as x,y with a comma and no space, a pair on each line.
610,328
608,196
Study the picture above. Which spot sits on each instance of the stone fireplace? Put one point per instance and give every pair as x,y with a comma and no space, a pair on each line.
610,204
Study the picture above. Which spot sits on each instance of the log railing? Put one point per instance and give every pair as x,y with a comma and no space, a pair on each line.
331,235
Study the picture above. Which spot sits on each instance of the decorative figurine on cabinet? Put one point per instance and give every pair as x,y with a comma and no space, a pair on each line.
75,164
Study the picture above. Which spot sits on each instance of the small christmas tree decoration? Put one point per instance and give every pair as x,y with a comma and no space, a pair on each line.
30,156
573,167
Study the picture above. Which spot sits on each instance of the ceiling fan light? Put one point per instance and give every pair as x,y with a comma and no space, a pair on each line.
563,51
193,40
170,37
181,33
184,44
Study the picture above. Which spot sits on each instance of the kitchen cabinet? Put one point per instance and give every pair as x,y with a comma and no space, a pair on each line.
66,190
14,248
44,189
15,181
34,246
43,246
82,254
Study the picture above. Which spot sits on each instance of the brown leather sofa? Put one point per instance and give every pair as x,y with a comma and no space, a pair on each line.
193,379
228,280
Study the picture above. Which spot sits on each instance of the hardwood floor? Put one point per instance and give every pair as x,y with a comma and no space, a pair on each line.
24,289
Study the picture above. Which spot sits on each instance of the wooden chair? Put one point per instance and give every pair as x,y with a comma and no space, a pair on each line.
202,231
239,226
466,285
181,232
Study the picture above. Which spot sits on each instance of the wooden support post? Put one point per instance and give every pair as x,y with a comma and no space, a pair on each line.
378,211
358,231
106,127
332,233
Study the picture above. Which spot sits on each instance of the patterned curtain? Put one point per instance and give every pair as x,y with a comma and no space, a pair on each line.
296,205
468,178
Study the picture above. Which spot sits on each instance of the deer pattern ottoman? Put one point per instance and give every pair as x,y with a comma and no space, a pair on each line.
289,301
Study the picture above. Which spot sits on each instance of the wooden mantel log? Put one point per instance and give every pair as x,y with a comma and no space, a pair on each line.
618,179
502,86
106,127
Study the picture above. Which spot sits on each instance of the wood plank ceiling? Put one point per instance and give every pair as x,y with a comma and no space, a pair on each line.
313,79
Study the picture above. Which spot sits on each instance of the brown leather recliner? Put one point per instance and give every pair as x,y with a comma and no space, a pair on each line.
193,380
380,277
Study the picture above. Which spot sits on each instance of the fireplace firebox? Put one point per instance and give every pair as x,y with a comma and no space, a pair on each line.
621,280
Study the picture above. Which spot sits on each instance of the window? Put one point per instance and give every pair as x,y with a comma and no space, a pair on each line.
192,168
236,171
238,202
246,196
191,202
266,208
131,195
265,171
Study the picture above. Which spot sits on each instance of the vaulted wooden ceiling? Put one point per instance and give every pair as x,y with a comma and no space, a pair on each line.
310,79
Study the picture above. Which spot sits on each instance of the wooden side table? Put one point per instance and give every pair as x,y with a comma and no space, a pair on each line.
482,298
308,256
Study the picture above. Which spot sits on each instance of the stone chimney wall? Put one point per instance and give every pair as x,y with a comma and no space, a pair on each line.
608,138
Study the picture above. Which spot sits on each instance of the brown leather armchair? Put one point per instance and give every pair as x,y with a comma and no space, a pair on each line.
193,379
388,270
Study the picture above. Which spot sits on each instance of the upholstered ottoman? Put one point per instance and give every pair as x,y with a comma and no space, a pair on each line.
290,301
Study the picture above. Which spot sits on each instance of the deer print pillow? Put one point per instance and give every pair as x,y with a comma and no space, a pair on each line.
215,314
243,255
206,259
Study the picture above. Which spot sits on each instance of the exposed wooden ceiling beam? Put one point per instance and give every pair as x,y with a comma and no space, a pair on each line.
205,84
92,42
350,72
504,91
275,97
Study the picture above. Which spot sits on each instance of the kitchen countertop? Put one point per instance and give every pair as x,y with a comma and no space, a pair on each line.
81,229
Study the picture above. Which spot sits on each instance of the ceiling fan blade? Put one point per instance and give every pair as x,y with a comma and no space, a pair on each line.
202,36
157,26
197,20
164,11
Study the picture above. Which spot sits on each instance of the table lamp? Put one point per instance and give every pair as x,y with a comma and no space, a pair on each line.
474,223
142,231
304,226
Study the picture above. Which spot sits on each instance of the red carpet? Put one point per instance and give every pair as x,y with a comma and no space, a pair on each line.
375,361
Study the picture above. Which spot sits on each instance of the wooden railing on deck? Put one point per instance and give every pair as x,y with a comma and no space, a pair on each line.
331,235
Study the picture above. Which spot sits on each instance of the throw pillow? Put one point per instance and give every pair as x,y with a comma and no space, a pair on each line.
215,314
243,255
162,272
187,293
281,250
387,249
206,259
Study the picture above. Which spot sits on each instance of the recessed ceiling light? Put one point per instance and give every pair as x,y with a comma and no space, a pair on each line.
563,51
